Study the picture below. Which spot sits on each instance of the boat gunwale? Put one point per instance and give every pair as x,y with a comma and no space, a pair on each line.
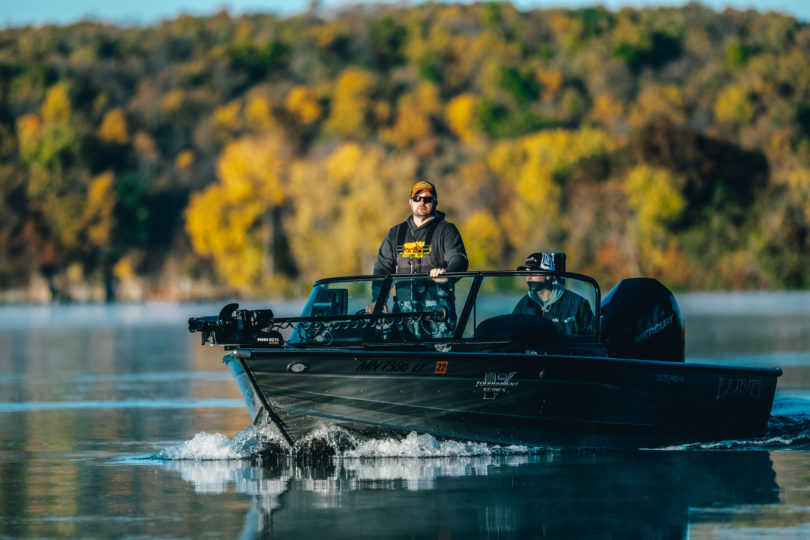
248,353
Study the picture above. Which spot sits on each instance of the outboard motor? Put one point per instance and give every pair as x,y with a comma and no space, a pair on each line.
641,319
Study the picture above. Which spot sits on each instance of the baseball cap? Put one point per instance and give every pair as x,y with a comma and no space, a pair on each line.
538,261
422,185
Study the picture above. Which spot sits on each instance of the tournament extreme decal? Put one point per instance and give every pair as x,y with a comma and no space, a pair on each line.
415,250
495,383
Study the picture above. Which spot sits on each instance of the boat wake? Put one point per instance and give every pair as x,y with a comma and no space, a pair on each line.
328,442
249,443
788,429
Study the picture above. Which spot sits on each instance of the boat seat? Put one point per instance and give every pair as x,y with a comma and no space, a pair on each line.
518,327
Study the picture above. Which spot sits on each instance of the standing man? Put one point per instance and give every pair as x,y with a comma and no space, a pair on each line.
423,243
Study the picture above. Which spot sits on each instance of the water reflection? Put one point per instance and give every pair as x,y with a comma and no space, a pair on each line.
542,494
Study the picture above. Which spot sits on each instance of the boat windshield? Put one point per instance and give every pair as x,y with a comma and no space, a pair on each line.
406,308
526,303
364,310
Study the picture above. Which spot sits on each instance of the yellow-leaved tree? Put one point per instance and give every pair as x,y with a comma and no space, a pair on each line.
48,141
351,102
656,198
236,221
303,104
113,128
483,240
97,215
460,117
733,107
530,171
344,206
414,110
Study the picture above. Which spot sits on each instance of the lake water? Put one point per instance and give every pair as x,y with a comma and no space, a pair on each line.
115,422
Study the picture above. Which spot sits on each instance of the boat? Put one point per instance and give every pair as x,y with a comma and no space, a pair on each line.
452,357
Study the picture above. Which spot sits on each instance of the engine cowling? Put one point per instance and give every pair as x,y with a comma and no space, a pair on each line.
640,318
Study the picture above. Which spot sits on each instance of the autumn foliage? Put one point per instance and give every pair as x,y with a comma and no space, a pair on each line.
253,154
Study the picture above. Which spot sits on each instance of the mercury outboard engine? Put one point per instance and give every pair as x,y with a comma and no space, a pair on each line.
641,319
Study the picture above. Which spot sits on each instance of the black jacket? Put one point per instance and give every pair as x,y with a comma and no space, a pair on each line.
436,244
571,313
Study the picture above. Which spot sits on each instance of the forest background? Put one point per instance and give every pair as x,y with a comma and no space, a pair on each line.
204,157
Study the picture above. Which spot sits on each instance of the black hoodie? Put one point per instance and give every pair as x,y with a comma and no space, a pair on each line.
435,244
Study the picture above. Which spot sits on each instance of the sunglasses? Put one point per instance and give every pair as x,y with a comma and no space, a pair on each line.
418,198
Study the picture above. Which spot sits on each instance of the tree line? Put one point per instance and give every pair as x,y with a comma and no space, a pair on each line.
252,154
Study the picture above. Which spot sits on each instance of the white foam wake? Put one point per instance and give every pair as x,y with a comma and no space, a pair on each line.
421,445
250,442
328,441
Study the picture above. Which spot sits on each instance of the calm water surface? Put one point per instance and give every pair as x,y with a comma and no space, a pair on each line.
114,423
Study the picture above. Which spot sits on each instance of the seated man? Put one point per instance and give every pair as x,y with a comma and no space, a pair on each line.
548,297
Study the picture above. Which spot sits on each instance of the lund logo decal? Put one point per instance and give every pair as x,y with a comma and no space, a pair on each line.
729,386
441,367
496,383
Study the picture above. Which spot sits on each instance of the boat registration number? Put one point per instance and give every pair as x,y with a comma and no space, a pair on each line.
392,366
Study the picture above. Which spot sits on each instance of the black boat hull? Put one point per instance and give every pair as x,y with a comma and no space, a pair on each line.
505,398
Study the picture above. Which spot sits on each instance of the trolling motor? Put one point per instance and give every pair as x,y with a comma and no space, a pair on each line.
234,326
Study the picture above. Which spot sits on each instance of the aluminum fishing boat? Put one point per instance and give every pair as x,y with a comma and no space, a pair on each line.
456,357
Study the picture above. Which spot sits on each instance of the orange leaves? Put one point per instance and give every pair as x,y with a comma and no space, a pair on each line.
551,81
114,128
227,120
413,116
183,162
97,215
29,130
48,138
302,103
608,112
173,100
657,102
